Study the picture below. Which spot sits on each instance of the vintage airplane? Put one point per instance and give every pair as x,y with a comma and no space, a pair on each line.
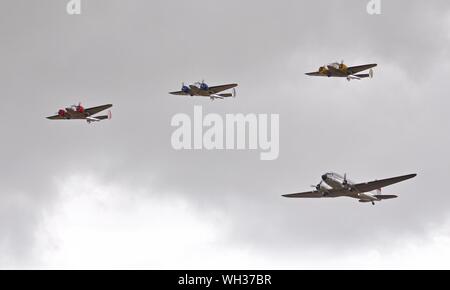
335,185
203,90
340,70
78,112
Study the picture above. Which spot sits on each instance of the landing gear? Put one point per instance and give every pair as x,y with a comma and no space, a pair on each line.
373,203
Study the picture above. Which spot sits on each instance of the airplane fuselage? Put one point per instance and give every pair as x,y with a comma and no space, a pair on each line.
72,113
196,91
346,187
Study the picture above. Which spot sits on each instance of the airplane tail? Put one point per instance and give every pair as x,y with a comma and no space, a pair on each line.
381,196
104,117
363,76
225,95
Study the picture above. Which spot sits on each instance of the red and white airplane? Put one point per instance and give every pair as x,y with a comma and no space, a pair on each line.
78,112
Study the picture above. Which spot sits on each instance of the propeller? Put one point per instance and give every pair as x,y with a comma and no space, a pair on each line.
203,85
79,108
317,187
342,65
345,182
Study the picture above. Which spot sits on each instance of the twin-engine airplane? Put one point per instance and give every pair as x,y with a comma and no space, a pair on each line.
335,185
78,112
340,70
203,90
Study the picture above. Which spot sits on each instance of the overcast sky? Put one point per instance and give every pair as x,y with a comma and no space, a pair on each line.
115,194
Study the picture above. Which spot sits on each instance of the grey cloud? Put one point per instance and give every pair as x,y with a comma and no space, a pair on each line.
131,54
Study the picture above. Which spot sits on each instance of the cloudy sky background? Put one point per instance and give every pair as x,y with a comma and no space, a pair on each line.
116,195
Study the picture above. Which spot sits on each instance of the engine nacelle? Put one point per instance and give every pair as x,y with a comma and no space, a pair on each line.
323,70
61,113
185,89
204,86
343,67
80,109
324,188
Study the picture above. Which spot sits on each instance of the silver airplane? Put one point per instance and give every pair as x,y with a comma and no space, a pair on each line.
335,185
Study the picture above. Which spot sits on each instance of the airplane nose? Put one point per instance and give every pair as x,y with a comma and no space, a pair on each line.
324,177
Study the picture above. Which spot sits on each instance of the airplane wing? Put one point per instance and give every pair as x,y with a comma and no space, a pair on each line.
356,69
377,184
315,74
316,194
308,194
218,89
56,117
180,93
103,117
95,110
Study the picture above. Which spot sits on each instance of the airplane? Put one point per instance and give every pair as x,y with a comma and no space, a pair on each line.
78,112
340,70
334,185
203,90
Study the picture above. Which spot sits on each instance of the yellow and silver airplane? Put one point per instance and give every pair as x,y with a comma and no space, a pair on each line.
340,70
